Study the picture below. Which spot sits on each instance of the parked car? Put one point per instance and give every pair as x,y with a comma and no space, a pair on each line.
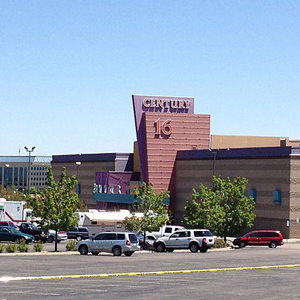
61,236
10,234
9,224
193,239
271,238
38,233
111,242
79,233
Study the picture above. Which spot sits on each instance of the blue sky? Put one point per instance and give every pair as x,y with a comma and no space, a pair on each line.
69,68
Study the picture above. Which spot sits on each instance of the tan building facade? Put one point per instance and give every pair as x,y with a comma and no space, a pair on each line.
273,173
85,166
243,141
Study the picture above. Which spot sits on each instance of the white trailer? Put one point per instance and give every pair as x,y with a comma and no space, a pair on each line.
98,220
14,211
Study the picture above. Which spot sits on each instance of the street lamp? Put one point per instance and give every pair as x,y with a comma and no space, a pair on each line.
78,163
214,152
28,173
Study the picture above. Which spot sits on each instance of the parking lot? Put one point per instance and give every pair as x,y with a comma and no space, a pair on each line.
148,274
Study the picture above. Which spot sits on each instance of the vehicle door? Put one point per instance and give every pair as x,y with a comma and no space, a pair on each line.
5,234
253,239
97,242
108,241
179,239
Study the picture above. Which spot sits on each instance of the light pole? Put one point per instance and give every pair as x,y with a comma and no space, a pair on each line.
78,163
214,152
28,173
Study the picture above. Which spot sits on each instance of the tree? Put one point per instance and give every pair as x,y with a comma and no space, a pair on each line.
56,204
153,208
225,209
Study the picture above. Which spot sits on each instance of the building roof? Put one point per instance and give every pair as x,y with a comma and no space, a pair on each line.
259,152
22,159
90,157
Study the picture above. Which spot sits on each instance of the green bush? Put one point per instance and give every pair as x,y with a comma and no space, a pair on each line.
219,243
22,246
38,247
1,248
11,248
71,245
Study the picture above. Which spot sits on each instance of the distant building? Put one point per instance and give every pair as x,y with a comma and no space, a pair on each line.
14,171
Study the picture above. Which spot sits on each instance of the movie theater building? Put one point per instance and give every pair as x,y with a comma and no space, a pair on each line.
175,151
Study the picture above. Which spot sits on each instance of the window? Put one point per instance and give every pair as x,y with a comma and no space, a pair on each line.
252,194
132,238
109,236
121,236
168,230
277,197
253,234
184,234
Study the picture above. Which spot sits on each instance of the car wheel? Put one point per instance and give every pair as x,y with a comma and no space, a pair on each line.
242,244
203,249
95,253
170,249
128,253
160,247
50,239
83,250
78,238
194,247
273,245
117,251
37,238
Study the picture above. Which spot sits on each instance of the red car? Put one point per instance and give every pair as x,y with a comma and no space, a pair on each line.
271,238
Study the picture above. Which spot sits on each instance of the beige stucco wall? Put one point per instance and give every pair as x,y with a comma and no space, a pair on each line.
264,175
246,141
240,141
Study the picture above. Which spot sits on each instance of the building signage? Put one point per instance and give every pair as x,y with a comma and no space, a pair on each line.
157,104
166,104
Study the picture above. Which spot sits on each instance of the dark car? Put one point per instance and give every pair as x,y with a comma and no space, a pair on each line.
271,238
31,229
9,234
8,224
79,233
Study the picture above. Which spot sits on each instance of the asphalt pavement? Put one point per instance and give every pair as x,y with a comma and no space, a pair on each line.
252,273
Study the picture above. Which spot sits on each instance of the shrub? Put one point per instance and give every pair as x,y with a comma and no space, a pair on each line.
1,248
23,247
38,247
71,245
11,248
219,243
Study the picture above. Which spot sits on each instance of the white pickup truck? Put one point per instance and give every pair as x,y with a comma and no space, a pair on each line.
166,230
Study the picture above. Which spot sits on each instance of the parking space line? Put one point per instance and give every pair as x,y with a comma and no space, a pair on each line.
7,279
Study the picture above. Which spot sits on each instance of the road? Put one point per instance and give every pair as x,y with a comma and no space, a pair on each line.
219,283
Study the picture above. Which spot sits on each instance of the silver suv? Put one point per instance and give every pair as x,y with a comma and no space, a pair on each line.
193,239
111,242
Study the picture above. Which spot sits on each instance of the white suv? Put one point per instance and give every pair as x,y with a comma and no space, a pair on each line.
111,242
193,239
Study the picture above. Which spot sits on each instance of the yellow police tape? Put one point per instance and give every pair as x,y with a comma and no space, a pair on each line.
6,279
